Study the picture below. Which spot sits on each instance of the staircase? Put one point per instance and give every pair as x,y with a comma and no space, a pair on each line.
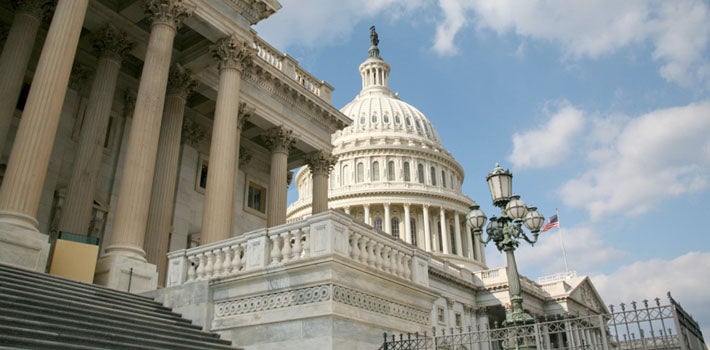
40,311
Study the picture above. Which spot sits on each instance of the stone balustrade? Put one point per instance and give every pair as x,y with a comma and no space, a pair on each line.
290,67
328,233
491,277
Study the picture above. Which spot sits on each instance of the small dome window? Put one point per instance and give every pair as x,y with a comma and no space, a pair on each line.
386,118
408,120
374,118
397,119
363,120
419,125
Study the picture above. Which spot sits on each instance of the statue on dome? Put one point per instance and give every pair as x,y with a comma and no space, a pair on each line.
374,39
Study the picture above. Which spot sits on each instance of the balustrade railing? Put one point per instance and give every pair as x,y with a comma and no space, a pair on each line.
322,234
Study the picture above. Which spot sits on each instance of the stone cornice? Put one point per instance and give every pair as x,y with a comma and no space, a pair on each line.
254,10
451,278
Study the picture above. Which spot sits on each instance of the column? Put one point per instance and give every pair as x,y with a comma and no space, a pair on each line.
280,141
320,163
388,221
125,249
229,117
444,232
457,234
407,224
111,46
469,241
15,57
366,208
27,167
427,231
160,212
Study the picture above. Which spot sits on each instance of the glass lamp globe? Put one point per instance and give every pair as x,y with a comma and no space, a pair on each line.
516,208
500,183
534,220
476,218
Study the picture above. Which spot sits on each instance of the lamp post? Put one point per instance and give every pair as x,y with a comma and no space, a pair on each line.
506,231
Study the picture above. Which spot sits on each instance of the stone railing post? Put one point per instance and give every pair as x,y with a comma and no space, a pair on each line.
177,268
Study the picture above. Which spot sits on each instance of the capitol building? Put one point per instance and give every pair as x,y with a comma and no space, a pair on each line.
146,148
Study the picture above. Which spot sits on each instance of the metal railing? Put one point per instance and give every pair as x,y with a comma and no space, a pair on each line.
649,328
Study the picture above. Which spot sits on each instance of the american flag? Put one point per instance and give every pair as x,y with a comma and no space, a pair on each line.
553,222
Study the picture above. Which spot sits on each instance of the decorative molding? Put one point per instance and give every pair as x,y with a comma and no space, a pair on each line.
129,102
79,75
253,10
35,8
289,177
321,293
110,42
244,156
232,53
170,12
180,81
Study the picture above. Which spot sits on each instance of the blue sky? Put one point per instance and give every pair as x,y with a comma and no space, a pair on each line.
601,109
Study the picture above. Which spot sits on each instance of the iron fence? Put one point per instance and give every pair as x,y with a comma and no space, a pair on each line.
649,327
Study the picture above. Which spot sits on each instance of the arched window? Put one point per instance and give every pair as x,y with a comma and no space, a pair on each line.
360,176
345,176
408,121
407,175
374,118
375,171
378,224
420,173
452,181
433,176
443,179
390,170
413,230
363,120
397,119
386,118
395,227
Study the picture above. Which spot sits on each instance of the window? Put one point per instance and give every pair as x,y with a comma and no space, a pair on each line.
407,175
433,176
452,181
386,118
363,120
420,173
443,179
375,171
440,314
408,121
397,119
458,319
390,170
345,176
413,230
378,224
256,197
201,181
360,176
419,125
374,118
395,227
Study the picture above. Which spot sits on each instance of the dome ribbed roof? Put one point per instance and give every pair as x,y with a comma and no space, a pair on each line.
378,109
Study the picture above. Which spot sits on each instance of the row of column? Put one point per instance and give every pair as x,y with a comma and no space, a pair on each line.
147,183
474,249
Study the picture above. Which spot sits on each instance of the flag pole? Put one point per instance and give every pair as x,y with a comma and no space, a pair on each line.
562,241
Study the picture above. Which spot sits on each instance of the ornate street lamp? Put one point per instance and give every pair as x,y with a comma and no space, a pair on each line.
506,231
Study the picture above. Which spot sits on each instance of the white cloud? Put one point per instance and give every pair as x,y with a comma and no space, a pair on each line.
678,29
312,23
640,161
549,144
649,279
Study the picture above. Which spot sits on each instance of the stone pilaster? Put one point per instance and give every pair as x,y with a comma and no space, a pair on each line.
280,141
27,167
427,231
125,250
321,164
233,57
180,85
111,46
15,57
444,232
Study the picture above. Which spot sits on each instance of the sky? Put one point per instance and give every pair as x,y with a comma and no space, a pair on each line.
600,109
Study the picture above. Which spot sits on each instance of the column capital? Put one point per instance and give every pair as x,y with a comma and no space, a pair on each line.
129,102
109,42
244,156
320,162
233,53
169,12
289,177
425,206
79,75
366,205
280,139
192,133
180,81
35,8
406,205
245,112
